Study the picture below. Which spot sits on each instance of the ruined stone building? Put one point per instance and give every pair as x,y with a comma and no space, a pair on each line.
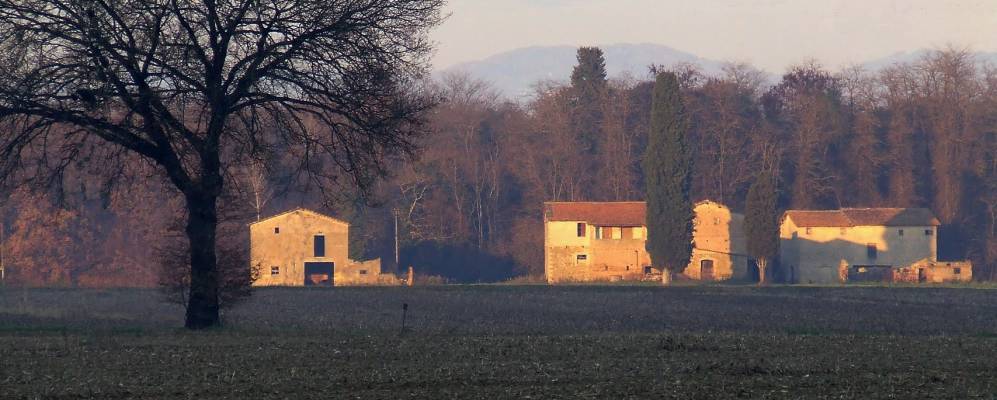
305,248
604,241
864,244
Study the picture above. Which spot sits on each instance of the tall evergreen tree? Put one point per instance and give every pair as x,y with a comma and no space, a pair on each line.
762,222
589,84
667,171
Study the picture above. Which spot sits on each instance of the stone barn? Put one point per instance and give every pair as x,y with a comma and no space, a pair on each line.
305,248
865,244
604,241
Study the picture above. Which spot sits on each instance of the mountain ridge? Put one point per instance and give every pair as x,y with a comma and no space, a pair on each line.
514,73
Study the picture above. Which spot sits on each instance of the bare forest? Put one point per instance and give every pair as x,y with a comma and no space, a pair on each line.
468,208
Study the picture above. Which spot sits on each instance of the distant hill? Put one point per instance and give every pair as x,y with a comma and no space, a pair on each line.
514,72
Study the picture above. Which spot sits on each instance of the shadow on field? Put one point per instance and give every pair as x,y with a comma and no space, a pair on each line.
457,263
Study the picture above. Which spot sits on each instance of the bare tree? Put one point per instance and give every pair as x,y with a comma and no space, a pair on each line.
193,87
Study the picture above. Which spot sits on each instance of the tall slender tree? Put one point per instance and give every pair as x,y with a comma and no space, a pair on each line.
589,85
761,222
667,171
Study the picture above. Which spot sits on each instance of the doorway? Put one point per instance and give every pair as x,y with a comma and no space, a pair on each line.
706,270
320,274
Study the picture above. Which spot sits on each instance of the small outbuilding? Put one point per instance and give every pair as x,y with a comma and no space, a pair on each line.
302,247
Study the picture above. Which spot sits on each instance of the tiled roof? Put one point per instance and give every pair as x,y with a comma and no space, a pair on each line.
848,217
622,213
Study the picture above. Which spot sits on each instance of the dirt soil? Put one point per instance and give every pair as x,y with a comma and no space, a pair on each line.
492,342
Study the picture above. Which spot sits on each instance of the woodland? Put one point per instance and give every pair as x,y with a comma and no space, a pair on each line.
468,203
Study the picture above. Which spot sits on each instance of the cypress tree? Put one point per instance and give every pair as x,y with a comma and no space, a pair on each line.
667,172
589,84
762,222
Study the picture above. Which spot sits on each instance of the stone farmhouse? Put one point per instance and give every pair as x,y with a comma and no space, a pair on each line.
604,241
304,248
864,244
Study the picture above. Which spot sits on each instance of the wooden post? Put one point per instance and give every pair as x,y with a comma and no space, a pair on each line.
411,275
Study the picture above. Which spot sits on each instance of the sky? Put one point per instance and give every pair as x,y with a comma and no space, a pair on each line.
771,34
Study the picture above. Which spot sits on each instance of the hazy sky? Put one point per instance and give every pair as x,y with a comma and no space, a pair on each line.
771,34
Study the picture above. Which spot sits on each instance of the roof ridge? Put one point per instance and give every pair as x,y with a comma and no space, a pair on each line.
296,209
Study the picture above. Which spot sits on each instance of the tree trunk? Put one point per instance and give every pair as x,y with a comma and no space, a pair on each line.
666,276
202,226
762,271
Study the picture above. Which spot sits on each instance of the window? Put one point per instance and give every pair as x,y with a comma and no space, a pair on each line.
647,270
809,231
581,229
929,232
871,251
901,232
275,270
276,230
319,246
582,257
956,271
363,272
600,232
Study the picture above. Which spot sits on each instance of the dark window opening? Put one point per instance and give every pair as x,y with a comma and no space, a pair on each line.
363,272
582,257
647,271
956,271
871,251
809,231
581,229
276,230
901,232
274,270
929,232
319,246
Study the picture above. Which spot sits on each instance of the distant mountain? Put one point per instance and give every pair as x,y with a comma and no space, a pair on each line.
515,72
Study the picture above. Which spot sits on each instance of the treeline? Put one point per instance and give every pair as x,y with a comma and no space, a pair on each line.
922,134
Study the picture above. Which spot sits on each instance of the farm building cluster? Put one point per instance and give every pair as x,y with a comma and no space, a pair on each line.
605,241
